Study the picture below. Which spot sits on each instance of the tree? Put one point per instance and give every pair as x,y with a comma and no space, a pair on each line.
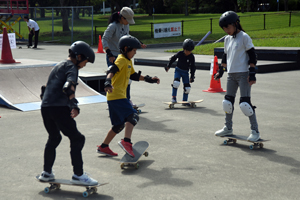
119,4
286,5
64,15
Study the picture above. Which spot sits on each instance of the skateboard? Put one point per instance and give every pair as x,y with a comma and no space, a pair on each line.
234,138
55,185
139,149
136,107
193,103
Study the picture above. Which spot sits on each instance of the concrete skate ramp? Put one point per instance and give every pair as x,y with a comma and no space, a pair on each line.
20,88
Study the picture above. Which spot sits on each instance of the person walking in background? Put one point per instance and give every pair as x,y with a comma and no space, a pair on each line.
34,30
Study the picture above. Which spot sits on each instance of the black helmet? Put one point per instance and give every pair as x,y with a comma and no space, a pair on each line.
130,42
82,48
227,18
188,44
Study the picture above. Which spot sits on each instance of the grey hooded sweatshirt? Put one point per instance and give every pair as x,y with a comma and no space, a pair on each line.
112,35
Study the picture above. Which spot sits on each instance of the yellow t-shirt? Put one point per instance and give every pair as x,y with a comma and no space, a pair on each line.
121,78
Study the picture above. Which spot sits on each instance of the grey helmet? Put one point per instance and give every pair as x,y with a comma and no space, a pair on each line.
130,42
227,18
188,44
82,48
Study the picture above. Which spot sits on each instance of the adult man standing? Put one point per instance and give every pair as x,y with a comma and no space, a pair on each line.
34,30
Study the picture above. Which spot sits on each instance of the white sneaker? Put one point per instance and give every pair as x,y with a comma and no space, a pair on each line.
224,131
45,176
254,136
84,179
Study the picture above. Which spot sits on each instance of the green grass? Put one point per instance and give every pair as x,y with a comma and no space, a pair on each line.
277,33
286,37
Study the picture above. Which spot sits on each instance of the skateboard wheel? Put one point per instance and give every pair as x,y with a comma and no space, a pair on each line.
261,145
136,166
146,154
139,111
251,147
94,190
225,142
47,190
85,194
122,166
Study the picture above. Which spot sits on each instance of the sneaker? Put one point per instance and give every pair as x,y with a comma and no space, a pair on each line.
254,136
84,179
174,100
106,151
45,176
127,147
224,131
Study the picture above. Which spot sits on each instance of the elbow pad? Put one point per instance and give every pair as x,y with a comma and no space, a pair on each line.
67,88
252,56
113,69
135,76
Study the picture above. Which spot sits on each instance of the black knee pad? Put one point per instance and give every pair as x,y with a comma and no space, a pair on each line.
117,129
230,98
228,104
186,88
133,119
245,102
176,83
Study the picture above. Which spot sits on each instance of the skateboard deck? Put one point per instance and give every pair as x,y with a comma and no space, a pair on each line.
234,138
193,103
139,149
55,185
136,107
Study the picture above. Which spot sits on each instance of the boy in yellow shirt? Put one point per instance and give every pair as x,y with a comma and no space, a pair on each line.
120,110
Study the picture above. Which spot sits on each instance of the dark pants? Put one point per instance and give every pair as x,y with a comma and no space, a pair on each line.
36,38
58,119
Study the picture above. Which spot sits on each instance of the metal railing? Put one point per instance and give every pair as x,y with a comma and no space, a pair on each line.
261,21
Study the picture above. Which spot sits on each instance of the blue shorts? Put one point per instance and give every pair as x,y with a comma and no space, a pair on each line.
119,110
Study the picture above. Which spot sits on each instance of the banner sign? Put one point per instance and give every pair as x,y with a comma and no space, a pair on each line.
167,30
12,40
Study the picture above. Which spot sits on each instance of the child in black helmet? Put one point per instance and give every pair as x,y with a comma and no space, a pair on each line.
186,62
120,110
240,59
59,108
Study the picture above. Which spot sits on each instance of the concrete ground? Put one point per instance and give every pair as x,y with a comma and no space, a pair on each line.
186,160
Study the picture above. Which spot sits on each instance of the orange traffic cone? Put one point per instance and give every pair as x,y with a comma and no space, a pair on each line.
6,56
215,86
100,47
